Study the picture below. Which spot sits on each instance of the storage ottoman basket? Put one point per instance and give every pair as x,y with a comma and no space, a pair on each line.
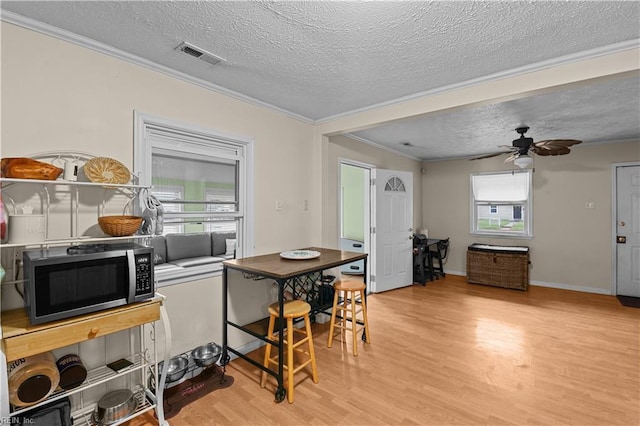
498,266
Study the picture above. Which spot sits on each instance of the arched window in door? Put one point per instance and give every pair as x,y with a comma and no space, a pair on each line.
394,184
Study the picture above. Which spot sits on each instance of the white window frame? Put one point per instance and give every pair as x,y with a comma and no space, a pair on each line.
209,142
527,204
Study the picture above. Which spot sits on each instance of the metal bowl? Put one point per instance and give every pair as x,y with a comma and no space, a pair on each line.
176,368
206,355
115,406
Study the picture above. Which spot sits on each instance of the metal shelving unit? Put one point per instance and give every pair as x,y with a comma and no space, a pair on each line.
144,365
144,360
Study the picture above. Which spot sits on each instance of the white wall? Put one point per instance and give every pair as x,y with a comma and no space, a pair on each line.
571,247
59,96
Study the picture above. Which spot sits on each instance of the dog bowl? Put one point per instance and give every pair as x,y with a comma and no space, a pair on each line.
176,368
115,406
206,355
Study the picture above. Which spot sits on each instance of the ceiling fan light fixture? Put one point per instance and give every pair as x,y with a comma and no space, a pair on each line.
523,161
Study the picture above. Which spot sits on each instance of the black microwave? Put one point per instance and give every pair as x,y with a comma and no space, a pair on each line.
63,282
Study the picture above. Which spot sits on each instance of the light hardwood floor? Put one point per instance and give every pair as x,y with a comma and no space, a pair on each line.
457,353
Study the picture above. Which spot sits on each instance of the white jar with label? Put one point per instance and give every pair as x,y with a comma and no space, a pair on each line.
32,379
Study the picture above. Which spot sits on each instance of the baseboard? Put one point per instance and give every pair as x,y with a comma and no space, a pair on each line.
249,347
462,276
563,286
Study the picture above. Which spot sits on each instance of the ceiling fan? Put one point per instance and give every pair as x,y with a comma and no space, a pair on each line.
522,148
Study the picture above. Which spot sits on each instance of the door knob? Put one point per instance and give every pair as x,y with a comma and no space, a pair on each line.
621,240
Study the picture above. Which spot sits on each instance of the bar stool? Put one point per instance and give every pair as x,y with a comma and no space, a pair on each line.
348,290
293,309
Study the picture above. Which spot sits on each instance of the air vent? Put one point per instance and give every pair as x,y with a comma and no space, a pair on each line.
192,52
202,54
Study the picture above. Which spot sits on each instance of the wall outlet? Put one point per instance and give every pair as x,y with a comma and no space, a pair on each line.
278,205
305,205
590,205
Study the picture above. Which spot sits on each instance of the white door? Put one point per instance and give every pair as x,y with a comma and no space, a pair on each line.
393,230
628,231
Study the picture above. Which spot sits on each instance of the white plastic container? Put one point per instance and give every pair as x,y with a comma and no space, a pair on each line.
26,227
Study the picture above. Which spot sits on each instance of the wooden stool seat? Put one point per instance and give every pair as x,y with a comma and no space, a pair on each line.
349,311
349,285
293,309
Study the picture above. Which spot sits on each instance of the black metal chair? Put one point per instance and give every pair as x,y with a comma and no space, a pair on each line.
420,259
439,255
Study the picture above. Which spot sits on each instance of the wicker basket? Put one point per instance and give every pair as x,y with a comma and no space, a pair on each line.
119,226
498,266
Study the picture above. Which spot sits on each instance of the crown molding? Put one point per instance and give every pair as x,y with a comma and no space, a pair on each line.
514,72
52,31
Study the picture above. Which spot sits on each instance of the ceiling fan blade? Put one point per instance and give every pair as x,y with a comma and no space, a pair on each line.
554,146
495,154
556,142
551,150
512,157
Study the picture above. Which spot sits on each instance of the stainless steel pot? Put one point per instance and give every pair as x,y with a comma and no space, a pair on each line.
115,406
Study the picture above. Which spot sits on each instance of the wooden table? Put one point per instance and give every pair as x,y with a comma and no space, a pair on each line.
287,274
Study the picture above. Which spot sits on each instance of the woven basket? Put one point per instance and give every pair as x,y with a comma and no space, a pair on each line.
498,269
119,226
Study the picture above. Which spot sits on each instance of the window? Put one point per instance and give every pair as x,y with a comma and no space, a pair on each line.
203,178
501,203
207,188
394,184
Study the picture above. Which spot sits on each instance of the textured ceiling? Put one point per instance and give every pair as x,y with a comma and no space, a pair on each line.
323,59
606,112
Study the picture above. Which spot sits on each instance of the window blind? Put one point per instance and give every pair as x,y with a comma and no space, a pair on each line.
503,187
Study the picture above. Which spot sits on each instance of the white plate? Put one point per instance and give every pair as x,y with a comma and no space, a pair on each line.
300,254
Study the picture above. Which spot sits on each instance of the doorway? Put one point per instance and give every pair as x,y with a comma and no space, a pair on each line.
355,213
368,222
626,228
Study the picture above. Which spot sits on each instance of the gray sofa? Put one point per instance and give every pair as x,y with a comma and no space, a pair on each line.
178,255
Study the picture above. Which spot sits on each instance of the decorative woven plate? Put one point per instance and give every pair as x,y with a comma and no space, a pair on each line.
106,170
